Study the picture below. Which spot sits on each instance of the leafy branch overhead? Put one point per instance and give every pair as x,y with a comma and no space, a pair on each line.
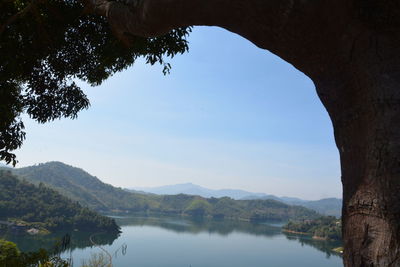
46,45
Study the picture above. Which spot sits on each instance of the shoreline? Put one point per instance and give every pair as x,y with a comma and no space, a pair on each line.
315,237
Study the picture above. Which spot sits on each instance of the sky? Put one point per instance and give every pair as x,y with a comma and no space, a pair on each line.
229,115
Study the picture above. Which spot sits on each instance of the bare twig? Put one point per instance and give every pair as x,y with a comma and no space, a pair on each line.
104,250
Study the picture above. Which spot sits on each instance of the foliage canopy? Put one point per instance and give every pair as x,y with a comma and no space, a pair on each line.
8,252
46,46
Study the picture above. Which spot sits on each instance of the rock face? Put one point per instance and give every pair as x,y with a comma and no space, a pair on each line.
351,50
33,231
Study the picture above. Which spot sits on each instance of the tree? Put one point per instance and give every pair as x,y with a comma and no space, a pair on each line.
349,48
10,256
45,45
9,253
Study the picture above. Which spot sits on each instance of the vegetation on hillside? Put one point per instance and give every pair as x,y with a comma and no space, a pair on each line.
40,205
252,210
91,192
80,186
11,256
326,206
325,227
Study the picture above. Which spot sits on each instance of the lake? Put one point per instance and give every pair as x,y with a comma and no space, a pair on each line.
182,242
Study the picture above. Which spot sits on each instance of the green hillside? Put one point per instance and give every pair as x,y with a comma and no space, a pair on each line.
253,210
325,227
90,191
326,206
78,185
40,205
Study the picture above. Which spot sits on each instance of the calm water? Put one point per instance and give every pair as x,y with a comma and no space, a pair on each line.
177,242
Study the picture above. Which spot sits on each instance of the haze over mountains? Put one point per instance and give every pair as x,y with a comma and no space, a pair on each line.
2,165
79,185
326,206
193,189
89,191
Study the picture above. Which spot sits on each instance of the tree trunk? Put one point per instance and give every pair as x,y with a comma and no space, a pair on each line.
367,134
363,101
370,150
351,50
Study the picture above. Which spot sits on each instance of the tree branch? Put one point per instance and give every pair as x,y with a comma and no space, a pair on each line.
21,13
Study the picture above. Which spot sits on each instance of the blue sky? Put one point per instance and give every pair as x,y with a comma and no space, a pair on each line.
229,115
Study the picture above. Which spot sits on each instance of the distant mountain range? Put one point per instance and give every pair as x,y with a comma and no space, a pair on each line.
89,191
326,206
4,165
197,190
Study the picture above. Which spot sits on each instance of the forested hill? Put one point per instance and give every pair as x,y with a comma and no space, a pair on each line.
90,191
326,206
79,185
21,200
326,227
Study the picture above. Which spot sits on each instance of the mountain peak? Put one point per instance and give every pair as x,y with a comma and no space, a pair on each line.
329,206
188,184
59,163
80,183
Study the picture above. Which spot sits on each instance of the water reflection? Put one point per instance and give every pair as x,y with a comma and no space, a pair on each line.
31,243
199,225
81,240
321,245
226,227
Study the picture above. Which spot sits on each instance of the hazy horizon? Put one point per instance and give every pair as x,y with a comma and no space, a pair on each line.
267,193
165,185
